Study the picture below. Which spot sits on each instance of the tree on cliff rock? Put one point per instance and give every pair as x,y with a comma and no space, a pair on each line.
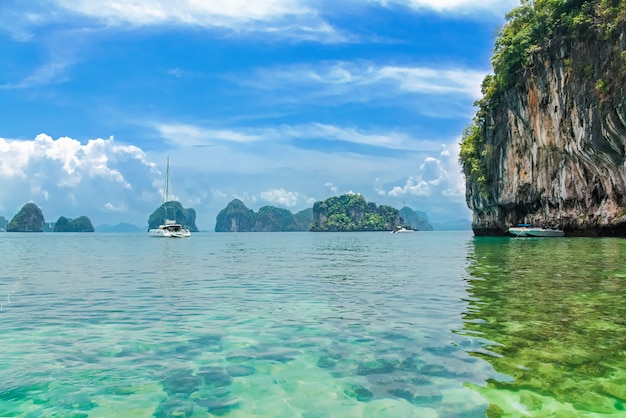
28,219
175,211
80,224
351,212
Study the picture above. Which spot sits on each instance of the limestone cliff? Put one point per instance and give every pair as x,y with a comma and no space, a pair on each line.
175,211
28,219
236,217
550,146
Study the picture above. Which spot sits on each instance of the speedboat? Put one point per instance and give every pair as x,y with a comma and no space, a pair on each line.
401,230
527,230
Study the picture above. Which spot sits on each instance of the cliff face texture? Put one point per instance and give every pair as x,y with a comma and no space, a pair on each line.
555,144
175,211
28,219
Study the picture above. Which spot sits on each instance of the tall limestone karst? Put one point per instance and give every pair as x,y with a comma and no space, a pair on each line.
548,142
28,219
415,220
175,211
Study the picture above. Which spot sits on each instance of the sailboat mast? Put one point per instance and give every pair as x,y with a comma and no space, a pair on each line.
167,174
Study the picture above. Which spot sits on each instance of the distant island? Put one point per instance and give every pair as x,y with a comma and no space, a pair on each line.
120,227
80,224
175,211
348,212
236,217
30,219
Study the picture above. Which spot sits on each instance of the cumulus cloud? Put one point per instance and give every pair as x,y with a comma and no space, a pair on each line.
441,176
331,187
64,174
282,197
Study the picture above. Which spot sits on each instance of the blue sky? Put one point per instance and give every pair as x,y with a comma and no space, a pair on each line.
276,102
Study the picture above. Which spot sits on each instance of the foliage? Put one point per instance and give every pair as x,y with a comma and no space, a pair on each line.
236,217
175,211
471,156
304,218
28,219
270,218
534,25
351,212
531,30
245,218
80,224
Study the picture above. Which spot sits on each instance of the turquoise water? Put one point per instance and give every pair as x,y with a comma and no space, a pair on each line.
431,324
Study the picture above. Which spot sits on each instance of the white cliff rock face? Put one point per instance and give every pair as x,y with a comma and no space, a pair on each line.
559,145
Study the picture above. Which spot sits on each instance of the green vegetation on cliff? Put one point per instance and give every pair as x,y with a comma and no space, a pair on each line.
28,219
351,212
173,210
80,224
236,217
532,34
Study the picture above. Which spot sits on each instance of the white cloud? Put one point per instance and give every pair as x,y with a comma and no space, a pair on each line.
436,176
65,175
195,135
332,187
493,7
52,71
290,19
363,81
281,197
110,207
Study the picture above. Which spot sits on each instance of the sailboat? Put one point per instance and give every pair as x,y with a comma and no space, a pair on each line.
170,228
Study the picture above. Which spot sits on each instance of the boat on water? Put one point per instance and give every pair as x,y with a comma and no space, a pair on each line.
401,230
527,230
170,228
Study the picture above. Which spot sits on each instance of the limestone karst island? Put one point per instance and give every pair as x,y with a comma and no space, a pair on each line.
548,141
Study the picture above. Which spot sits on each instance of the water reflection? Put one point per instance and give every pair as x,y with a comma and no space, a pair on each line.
555,311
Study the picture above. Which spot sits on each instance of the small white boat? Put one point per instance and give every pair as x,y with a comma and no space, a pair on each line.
169,229
527,230
401,230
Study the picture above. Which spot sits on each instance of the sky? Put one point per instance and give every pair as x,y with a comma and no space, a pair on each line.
273,102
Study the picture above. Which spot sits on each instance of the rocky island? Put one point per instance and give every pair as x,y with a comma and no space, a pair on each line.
80,224
548,141
351,212
173,210
236,217
341,213
28,219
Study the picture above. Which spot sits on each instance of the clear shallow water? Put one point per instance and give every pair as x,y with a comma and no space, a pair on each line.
432,324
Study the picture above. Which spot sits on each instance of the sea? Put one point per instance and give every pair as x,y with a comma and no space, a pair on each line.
311,325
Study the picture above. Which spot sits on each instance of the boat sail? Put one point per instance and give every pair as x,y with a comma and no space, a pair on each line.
170,228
